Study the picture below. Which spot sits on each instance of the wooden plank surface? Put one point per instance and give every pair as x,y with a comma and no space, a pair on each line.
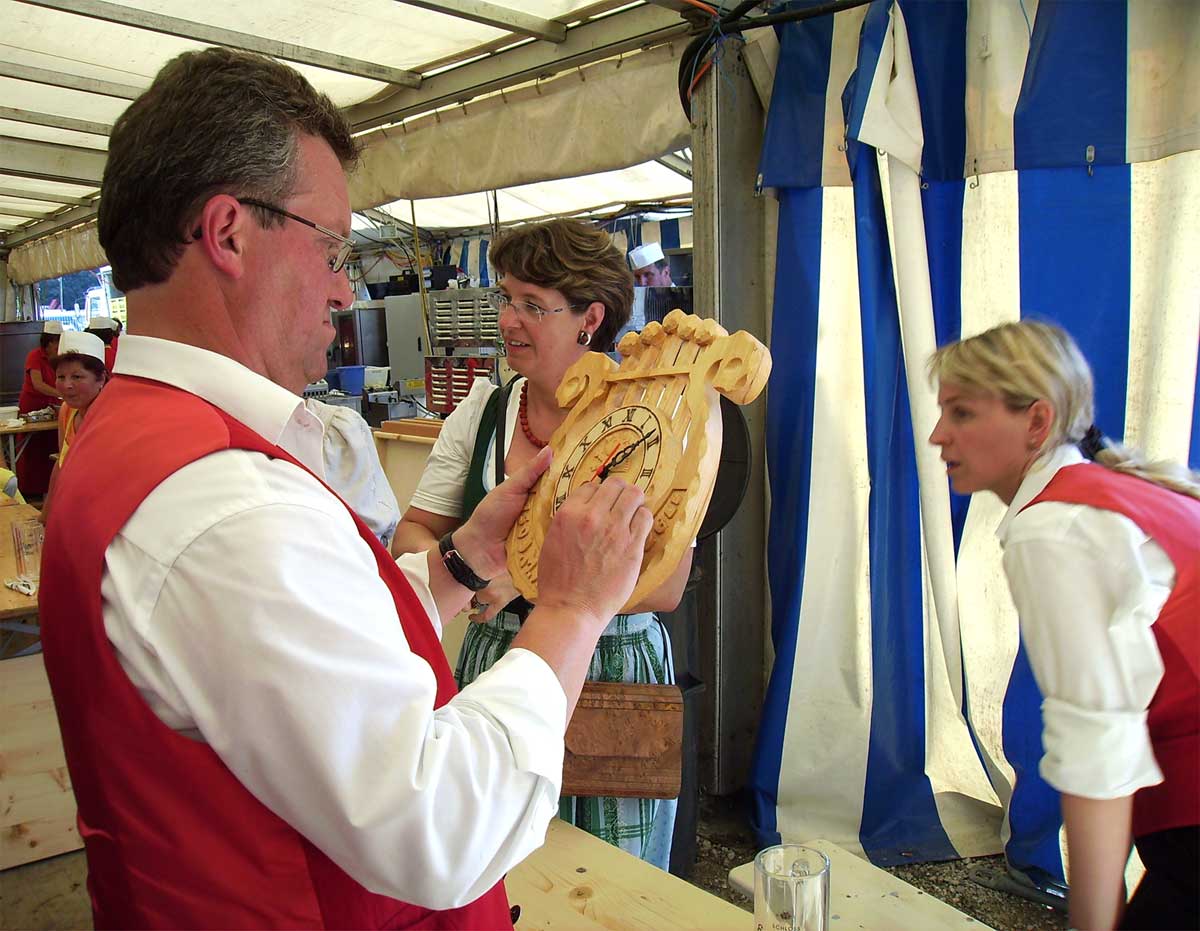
13,604
863,896
576,881
37,806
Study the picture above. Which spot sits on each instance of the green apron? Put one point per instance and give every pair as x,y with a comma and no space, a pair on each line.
633,648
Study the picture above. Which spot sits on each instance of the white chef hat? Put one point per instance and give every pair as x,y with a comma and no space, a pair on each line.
54,327
85,344
102,323
645,255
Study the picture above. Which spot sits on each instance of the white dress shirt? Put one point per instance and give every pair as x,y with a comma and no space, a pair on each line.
249,613
1088,585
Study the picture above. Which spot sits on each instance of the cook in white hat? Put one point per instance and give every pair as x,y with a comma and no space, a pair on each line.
84,344
104,327
52,327
650,267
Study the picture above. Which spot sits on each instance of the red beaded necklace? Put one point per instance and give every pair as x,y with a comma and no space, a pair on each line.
523,416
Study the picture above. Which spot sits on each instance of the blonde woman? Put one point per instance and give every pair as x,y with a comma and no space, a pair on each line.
1102,555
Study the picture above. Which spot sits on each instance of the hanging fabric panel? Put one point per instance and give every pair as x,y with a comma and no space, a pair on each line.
901,715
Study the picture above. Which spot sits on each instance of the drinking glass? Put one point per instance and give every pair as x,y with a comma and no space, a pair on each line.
791,889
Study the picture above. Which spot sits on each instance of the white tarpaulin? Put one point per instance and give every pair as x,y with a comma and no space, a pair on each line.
611,115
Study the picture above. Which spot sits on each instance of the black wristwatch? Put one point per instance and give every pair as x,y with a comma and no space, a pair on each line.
463,574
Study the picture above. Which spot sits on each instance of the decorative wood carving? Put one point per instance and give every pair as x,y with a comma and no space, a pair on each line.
654,421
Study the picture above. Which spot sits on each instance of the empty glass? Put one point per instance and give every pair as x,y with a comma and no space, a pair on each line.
791,889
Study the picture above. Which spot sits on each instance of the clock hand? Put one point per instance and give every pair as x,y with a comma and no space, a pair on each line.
624,454
607,460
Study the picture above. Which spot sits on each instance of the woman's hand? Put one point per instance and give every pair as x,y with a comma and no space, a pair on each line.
491,601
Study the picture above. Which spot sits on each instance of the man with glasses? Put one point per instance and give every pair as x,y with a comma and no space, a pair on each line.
258,718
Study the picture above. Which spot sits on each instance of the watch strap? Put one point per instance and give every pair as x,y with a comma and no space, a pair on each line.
463,574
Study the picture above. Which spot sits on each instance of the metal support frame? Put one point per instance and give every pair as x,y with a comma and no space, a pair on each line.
69,81
729,276
44,198
202,32
48,161
491,14
640,27
54,122
25,214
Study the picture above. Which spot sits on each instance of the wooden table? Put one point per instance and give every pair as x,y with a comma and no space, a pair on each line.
577,881
863,896
17,611
9,436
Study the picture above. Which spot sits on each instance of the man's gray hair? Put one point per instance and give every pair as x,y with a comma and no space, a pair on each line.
213,122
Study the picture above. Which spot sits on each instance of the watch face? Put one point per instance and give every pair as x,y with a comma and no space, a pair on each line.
626,442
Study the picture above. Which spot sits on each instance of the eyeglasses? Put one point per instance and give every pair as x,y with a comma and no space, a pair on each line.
336,262
498,300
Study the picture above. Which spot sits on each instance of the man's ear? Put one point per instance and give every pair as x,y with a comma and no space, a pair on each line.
222,228
1041,418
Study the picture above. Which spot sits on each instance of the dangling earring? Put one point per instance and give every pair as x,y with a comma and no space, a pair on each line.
584,338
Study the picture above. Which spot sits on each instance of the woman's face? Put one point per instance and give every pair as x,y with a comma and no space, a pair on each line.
78,385
986,446
549,344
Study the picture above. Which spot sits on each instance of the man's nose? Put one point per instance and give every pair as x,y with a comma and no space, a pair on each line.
343,293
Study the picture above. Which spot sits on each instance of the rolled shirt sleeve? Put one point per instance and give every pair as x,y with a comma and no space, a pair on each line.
1088,587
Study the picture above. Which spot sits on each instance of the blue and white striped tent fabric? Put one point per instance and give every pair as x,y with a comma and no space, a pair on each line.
942,167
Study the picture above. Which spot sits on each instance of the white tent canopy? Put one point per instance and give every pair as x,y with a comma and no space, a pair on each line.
415,78
603,191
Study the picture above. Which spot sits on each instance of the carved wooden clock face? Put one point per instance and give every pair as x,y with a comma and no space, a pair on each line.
627,443
655,422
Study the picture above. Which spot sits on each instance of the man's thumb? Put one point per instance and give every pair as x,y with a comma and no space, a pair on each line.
523,479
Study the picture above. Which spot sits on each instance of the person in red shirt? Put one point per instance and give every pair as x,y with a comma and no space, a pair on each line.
1102,557
109,332
33,463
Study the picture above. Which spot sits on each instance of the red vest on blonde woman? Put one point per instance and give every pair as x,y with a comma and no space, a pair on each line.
173,838
1172,520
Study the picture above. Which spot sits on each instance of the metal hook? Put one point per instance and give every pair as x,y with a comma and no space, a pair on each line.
974,174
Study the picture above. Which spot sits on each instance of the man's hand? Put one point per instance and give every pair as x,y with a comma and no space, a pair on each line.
491,601
480,541
592,554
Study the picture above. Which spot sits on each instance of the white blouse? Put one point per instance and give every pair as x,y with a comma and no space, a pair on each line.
441,488
1088,586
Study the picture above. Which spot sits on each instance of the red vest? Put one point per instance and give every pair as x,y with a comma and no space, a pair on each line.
1172,521
173,839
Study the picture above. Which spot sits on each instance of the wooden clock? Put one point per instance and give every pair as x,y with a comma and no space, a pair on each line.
653,421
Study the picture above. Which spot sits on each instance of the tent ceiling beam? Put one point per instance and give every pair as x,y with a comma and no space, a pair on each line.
49,226
27,214
680,166
69,81
56,122
214,35
640,27
17,194
490,14
47,161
